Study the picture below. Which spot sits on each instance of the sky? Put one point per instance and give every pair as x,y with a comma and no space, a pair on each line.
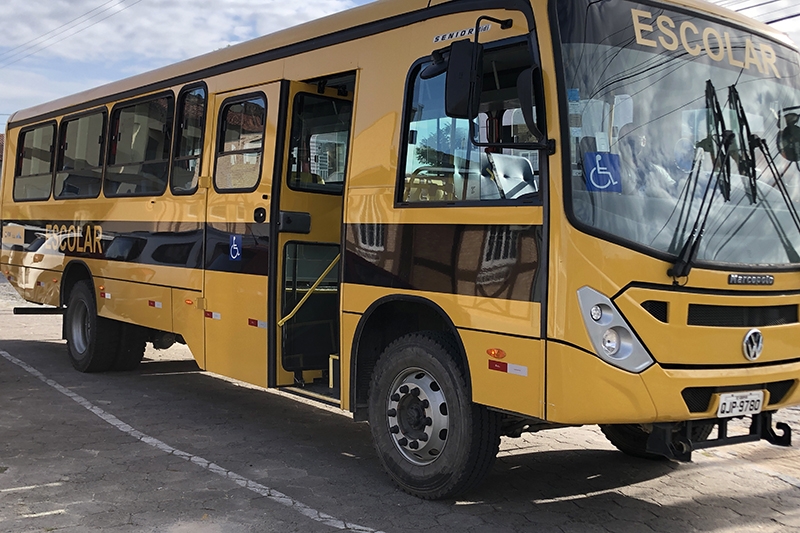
53,48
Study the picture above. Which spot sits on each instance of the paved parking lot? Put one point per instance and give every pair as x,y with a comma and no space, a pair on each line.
170,448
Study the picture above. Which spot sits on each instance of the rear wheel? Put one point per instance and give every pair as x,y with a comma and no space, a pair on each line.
430,437
632,438
91,340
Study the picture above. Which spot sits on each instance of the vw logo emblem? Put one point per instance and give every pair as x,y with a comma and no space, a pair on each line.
753,344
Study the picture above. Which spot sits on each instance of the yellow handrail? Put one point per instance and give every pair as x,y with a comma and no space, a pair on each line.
297,307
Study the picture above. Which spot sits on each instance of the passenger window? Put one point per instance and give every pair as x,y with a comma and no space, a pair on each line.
241,144
79,171
34,173
138,159
444,164
189,136
319,143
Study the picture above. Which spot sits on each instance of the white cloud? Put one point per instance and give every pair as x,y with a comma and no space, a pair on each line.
59,47
146,29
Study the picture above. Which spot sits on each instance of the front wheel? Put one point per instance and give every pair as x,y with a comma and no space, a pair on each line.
432,440
91,340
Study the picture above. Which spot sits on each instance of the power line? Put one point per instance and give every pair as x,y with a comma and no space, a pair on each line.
7,52
789,17
8,63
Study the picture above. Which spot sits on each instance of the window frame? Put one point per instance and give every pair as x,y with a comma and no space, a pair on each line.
221,140
186,89
18,162
62,130
131,103
289,146
411,77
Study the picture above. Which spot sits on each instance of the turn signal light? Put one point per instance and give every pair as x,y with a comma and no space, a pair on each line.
496,353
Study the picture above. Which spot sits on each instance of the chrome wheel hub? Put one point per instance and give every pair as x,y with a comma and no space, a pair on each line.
417,416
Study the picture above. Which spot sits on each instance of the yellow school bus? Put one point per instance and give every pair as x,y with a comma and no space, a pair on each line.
456,220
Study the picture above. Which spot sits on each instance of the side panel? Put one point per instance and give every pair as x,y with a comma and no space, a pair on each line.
126,301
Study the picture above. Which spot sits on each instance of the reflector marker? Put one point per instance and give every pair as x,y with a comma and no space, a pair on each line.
256,323
215,316
106,295
508,368
153,303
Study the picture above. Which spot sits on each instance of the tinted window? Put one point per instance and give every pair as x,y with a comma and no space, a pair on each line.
35,163
80,163
140,144
189,145
320,138
241,144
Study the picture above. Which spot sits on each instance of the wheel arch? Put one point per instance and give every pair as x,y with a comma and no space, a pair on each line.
386,320
74,272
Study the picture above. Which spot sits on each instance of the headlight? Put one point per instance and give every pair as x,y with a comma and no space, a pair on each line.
610,342
611,335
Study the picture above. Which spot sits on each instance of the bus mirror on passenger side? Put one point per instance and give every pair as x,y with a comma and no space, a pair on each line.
789,138
437,66
464,79
526,101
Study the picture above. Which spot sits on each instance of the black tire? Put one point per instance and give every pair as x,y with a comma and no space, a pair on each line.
132,341
91,340
631,439
432,440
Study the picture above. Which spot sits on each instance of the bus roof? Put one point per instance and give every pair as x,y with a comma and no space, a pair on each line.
200,66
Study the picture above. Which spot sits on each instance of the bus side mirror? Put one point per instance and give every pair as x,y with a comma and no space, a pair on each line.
464,79
525,93
789,138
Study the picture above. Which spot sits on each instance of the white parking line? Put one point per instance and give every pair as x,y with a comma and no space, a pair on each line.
30,487
48,513
258,488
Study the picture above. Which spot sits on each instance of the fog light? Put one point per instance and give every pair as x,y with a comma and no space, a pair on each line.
611,342
596,313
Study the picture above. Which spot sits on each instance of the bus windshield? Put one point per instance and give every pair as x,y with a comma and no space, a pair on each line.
658,144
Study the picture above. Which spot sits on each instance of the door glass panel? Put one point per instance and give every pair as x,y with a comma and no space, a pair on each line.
320,137
241,145
312,335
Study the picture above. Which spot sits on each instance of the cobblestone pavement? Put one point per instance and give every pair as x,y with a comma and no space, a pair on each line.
170,448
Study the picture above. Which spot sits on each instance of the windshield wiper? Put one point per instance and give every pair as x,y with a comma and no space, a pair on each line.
748,168
755,142
747,158
721,139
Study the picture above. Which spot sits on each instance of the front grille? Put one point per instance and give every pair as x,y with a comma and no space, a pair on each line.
697,399
656,308
725,316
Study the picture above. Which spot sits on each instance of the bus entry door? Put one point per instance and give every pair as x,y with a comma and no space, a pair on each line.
237,233
309,232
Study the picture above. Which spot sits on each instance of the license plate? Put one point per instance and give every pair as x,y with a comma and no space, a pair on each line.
740,403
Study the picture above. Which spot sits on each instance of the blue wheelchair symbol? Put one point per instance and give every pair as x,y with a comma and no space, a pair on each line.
235,251
602,171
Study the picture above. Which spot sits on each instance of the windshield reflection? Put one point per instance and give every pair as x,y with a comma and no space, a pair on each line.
644,142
